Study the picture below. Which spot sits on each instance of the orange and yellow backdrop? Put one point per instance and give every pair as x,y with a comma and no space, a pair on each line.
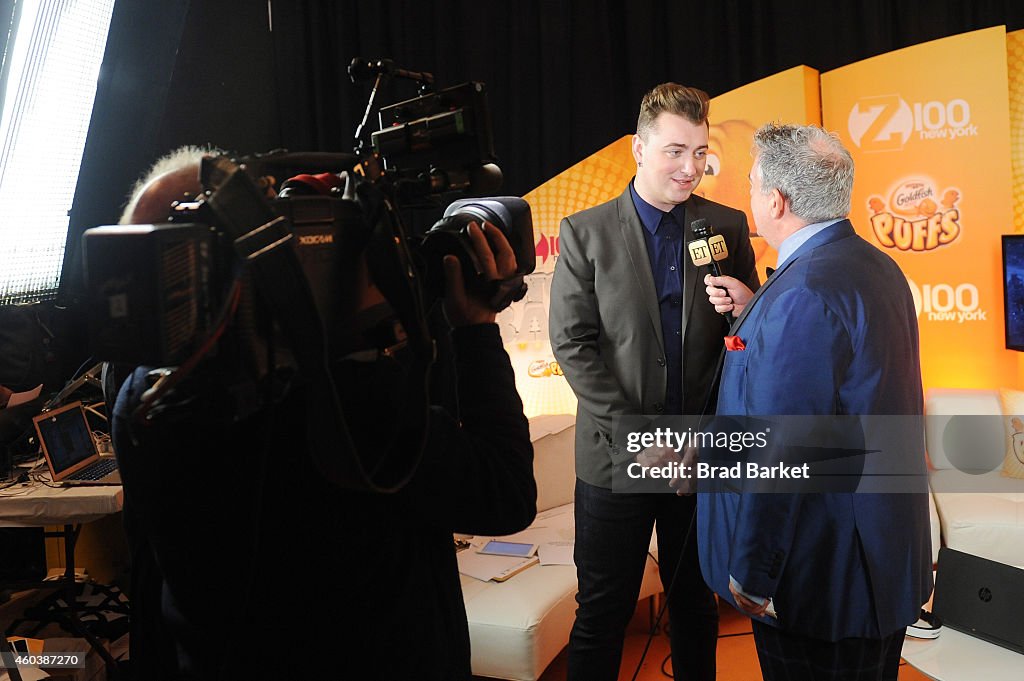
929,129
937,134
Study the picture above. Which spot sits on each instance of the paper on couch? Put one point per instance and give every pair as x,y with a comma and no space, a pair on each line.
556,553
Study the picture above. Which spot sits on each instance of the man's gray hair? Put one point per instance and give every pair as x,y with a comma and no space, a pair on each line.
809,166
182,157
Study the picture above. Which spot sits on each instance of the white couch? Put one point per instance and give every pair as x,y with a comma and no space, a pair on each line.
980,512
518,626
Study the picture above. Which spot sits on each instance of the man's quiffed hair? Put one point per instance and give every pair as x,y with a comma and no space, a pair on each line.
809,166
689,102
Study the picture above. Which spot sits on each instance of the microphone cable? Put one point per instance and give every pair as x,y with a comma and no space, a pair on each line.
712,390
668,592
700,254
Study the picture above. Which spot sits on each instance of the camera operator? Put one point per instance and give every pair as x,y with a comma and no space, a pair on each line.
267,569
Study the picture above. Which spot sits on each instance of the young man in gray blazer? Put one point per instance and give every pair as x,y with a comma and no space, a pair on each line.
635,334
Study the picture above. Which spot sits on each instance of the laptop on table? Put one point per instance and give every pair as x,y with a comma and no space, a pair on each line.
980,597
70,450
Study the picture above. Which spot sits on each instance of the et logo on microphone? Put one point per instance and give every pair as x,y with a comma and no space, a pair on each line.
706,251
915,215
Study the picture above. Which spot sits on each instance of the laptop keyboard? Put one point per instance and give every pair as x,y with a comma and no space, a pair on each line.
96,471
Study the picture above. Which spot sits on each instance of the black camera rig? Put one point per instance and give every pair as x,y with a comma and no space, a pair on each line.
250,281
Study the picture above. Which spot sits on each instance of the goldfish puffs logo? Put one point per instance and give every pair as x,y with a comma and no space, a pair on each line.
916,217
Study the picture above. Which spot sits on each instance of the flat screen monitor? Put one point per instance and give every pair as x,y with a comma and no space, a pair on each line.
1013,290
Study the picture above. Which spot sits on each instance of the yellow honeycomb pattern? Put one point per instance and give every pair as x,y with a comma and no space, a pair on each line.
1015,74
594,180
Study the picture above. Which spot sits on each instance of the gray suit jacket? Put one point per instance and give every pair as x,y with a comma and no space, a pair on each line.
605,323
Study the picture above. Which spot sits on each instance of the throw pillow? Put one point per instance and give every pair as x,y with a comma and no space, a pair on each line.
1013,418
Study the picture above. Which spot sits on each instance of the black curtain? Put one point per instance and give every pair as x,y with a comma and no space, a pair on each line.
566,77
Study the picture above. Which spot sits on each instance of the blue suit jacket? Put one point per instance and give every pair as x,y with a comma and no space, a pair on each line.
832,332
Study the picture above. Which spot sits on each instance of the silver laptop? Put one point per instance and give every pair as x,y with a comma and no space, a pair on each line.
70,450
980,597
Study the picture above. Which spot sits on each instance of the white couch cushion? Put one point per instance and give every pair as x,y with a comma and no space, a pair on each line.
518,626
988,523
554,459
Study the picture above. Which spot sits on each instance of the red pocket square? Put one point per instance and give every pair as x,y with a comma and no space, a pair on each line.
733,343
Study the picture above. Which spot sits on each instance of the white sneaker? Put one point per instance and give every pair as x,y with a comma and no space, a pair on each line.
928,626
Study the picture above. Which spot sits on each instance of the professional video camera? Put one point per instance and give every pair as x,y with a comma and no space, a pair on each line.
252,277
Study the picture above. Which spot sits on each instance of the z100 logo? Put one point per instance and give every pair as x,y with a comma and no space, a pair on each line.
886,122
947,303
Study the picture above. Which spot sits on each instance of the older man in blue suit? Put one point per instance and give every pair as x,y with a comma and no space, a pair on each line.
831,578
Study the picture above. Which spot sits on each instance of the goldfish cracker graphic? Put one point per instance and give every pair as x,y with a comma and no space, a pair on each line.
540,368
949,199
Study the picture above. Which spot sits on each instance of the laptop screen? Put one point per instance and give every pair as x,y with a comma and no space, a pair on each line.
65,438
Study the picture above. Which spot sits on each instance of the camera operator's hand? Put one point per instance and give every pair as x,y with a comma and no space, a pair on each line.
497,262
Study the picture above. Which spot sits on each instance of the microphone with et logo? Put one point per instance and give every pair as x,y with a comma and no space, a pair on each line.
708,248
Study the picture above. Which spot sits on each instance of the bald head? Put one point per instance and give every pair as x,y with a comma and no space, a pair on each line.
172,178
152,204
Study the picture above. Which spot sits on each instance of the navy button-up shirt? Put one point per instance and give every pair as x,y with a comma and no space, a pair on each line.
663,233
